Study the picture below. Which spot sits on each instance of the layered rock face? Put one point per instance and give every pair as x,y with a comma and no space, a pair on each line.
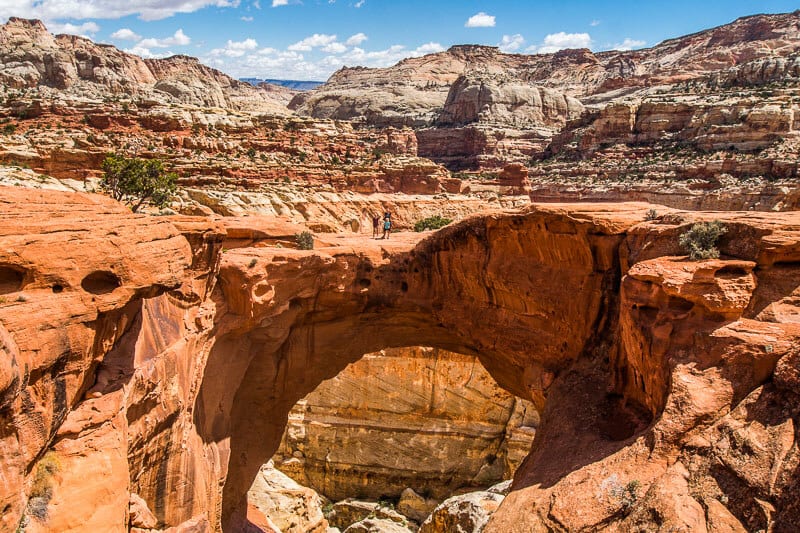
30,57
667,389
413,91
418,418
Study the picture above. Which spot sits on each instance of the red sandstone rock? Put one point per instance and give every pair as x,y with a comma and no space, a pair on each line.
195,378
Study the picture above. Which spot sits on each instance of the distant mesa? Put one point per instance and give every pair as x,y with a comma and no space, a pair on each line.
295,85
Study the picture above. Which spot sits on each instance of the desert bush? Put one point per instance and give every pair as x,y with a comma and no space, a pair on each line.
651,215
42,488
136,181
305,240
701,240
434,222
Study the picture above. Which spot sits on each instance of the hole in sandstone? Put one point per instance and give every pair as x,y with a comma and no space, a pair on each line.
730,272
57,288
364,283
398,419
404,286
12,278
101,282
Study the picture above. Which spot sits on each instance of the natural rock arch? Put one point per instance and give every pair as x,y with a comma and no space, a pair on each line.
494,287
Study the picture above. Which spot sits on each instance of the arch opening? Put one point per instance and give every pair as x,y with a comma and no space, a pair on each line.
400,425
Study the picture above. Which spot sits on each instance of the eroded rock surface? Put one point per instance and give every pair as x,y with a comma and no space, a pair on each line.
667,389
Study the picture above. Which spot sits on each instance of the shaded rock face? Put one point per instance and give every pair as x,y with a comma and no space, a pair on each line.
178,375
423,418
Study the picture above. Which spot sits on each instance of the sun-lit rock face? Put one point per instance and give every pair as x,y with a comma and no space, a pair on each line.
419,418
31,56
144,361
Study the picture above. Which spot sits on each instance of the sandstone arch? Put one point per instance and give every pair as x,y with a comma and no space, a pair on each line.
493,287
180,378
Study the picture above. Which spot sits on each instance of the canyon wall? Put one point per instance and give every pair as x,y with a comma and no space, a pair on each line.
419,418
145,386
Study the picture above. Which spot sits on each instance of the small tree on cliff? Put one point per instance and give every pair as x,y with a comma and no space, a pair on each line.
136,181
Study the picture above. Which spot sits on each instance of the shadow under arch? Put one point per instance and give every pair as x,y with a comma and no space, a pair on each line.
492,287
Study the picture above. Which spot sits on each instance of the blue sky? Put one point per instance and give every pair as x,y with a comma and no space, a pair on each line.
310,39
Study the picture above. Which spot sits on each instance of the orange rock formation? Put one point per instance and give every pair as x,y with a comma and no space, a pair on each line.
140,364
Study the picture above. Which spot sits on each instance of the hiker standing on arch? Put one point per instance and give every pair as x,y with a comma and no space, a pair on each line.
387,224
376,226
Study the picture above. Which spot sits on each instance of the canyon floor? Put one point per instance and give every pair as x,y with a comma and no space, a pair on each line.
548,360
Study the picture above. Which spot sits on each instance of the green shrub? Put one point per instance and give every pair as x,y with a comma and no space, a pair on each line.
701,240
651,215
9,129
42,487
305,240
136,181
434,222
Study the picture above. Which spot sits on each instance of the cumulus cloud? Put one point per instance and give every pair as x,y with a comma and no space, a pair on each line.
235,48
560,41
291,64
278,3
481,20
511,43
104,9
317,40
356,40
629,44
178,39
126,34
84,30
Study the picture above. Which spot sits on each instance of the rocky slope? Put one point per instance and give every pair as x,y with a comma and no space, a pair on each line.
32,57
416,88
153,375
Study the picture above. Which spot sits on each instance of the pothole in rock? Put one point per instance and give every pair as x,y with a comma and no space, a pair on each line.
389,439
12,278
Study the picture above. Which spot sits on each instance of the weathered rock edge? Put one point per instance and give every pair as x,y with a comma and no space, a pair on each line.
145,362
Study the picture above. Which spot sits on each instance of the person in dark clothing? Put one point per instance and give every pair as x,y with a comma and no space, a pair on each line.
376,226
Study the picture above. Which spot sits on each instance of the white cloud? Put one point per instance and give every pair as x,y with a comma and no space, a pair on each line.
359,3
511,43
291,64
357,39
147,53
560,41
317,40
594,23
429,48
481,20
51,10
278,3
334,48
235,48
84,30
628,44
126,34
178,39
247,19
